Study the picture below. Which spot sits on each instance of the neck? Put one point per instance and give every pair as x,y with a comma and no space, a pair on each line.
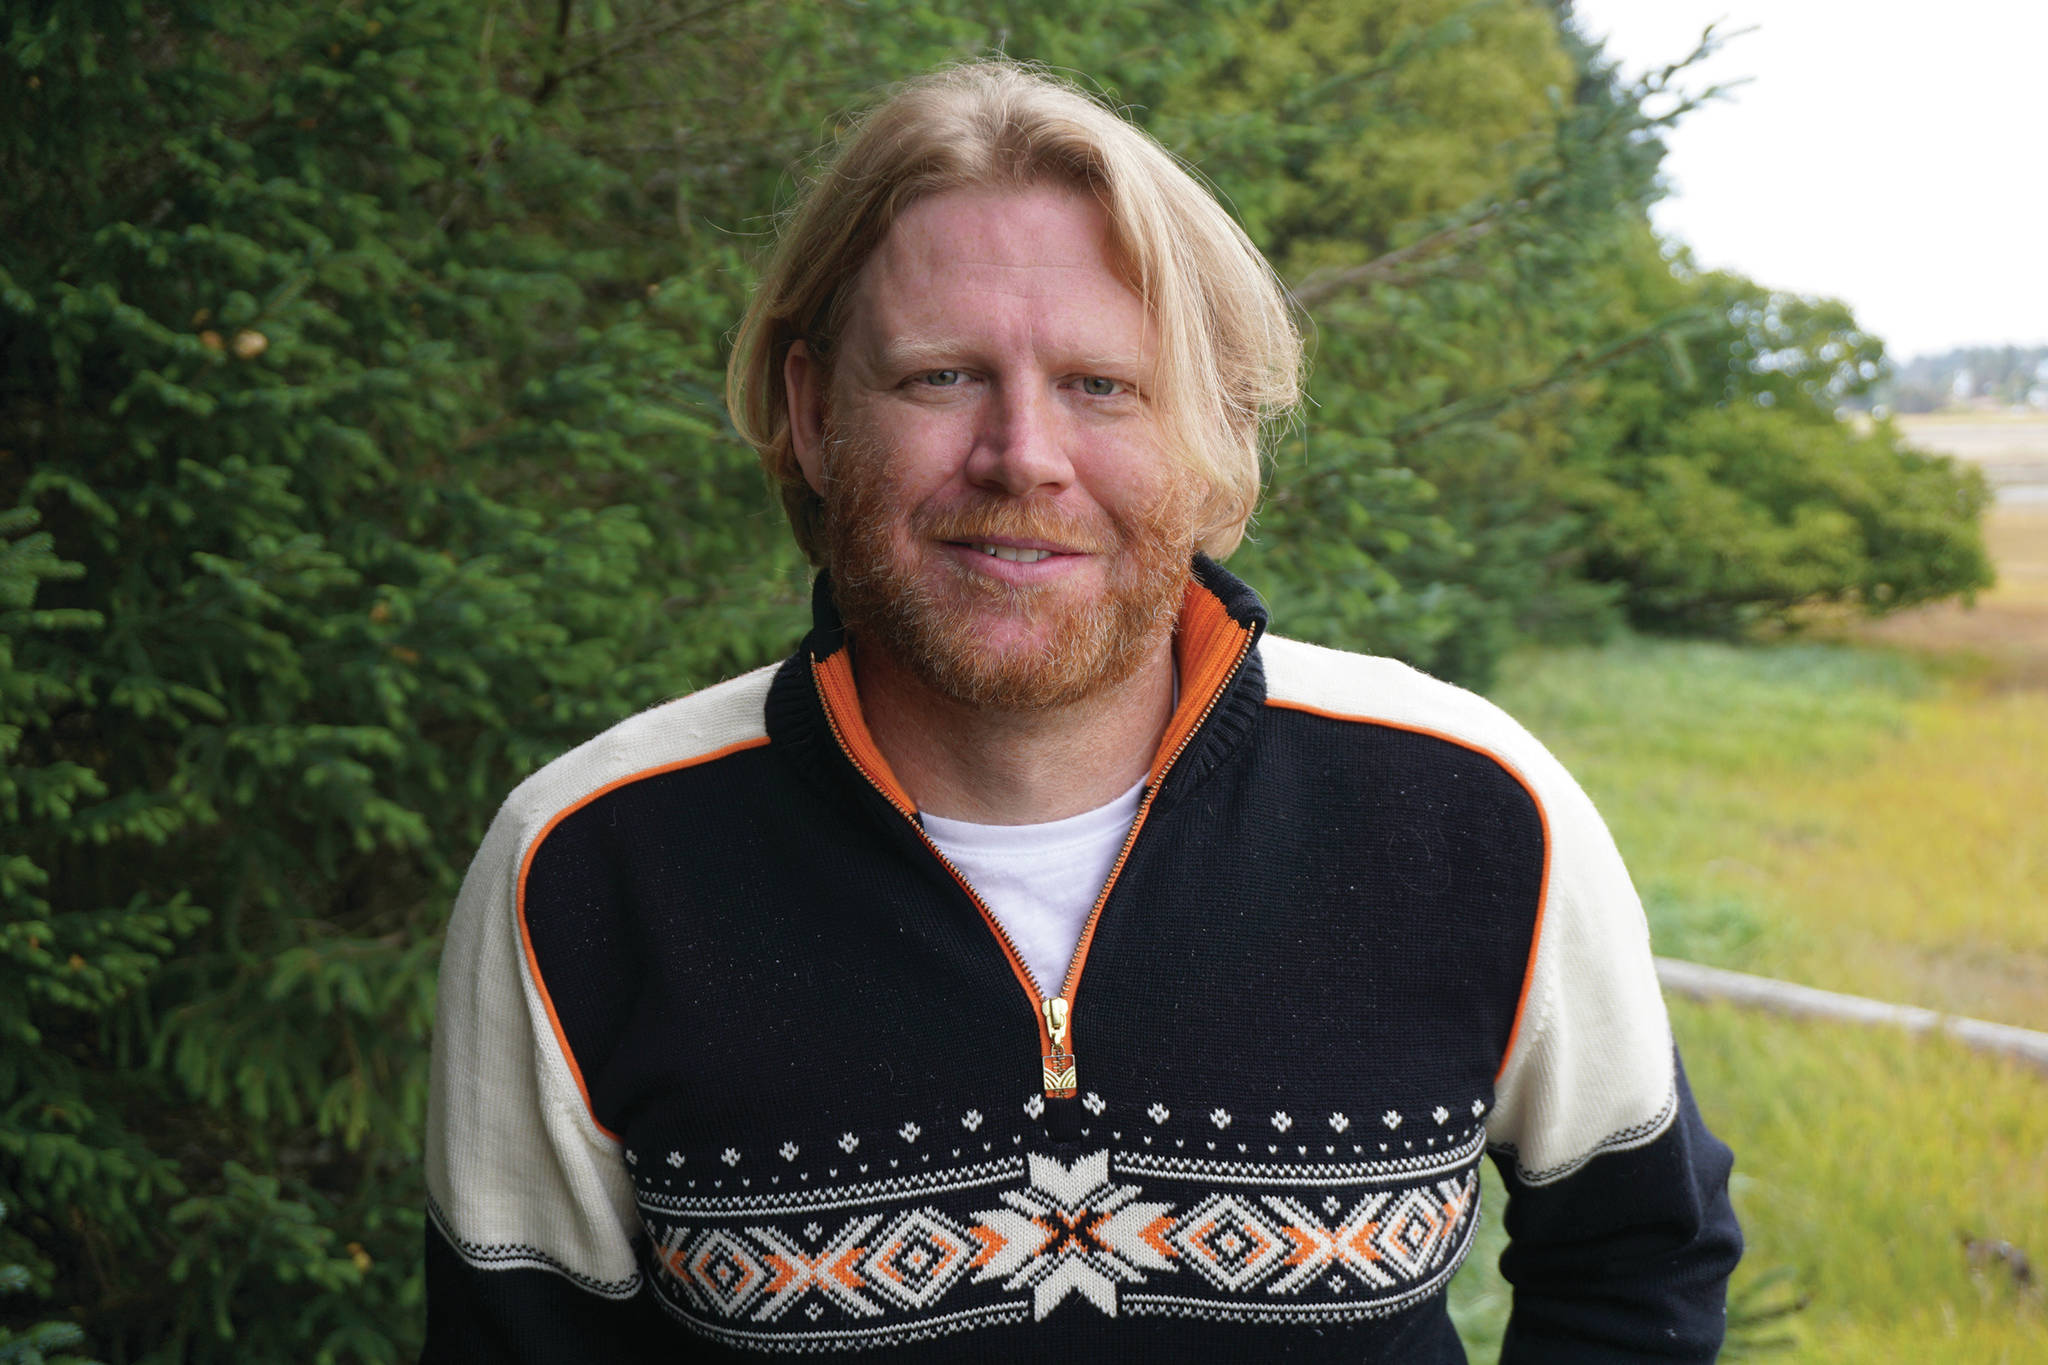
1015,767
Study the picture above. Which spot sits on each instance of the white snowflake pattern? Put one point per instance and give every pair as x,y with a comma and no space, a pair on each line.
789,1151
1478,1108
847,1142
813,1232
1034,1106
1439,1114
1220,1117
1094,1103
632,1158
675,1158
730,1157
1392,1118
908,1132
1159,1112
1100,1236
1281,1121
971,1120
1339,1123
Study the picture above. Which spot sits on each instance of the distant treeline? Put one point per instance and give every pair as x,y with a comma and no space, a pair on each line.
1969,376
361,448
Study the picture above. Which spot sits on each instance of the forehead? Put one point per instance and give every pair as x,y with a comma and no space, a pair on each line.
1033,266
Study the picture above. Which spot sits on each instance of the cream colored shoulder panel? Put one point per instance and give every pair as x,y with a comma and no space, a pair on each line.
686,730
519,1172
1387,691
1590,1066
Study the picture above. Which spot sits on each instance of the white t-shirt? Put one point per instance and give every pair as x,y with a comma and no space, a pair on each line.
1041,880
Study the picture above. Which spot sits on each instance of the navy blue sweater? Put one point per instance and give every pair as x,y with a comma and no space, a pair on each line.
729,1059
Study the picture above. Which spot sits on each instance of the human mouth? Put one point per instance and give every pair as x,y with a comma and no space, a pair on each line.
1014,554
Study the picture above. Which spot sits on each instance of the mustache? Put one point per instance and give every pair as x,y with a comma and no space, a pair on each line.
994,517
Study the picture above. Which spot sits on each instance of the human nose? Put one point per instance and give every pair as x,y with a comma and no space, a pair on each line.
1020,447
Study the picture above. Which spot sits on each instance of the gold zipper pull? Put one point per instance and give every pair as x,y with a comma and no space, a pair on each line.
1056,1022
1059,1064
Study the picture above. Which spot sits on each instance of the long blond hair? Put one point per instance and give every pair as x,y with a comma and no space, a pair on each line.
1230,356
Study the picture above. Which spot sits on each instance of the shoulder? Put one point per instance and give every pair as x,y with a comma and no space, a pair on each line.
702,727
1372,690
1588,1067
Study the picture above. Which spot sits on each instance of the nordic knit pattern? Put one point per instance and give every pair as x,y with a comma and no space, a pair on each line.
728,1060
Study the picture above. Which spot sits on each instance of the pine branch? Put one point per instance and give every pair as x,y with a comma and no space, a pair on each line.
1574,366
650,34
1403,263
551,79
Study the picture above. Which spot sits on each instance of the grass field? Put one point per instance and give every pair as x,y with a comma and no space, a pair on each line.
1865,809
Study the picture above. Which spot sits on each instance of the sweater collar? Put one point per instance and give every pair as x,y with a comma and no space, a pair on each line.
1221,684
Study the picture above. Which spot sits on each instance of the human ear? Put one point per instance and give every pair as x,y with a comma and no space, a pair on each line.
803,387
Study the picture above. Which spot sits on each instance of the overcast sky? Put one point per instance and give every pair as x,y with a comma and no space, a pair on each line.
1889,153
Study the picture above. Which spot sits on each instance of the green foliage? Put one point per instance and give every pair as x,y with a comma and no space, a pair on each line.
361,448
1720,489
325,369
42,1343
1447,185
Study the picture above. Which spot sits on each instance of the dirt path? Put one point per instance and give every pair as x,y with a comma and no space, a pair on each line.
2011,449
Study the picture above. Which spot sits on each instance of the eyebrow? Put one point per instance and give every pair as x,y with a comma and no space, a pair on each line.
905,354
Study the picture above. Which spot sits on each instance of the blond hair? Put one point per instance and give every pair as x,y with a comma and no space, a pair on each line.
1229,352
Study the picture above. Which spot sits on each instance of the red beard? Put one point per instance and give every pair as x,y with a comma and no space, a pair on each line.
925,610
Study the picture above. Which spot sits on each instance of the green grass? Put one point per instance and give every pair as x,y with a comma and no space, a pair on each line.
1860,819
1864,1159
1866,820
1676,742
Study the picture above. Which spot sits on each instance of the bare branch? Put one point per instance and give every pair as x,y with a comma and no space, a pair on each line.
551,79
638,38
1579,363
1395,265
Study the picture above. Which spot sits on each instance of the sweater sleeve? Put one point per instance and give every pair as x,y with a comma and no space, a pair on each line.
530,1210
1621,1235
1628,1257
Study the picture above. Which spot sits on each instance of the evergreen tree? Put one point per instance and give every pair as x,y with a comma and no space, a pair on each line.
313,352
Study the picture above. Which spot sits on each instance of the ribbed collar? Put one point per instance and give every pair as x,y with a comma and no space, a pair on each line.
814,709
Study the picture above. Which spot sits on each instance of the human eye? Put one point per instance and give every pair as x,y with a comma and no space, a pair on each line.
941,379
1100,386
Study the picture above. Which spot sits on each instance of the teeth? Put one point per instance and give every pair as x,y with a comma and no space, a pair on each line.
1015,556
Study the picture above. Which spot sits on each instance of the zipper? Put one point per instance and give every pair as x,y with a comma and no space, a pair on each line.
917,826
1055,1013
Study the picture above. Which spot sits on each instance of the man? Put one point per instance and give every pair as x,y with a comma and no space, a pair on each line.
1043,962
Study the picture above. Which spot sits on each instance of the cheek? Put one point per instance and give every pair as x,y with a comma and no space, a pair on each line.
923,450
1137,477
871,493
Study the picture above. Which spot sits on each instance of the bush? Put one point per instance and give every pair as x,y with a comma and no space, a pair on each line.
1720,490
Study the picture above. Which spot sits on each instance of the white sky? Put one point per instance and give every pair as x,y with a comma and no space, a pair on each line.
1889,153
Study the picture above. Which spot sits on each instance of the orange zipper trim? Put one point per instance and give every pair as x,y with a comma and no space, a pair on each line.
1209,649
1208,663
834,679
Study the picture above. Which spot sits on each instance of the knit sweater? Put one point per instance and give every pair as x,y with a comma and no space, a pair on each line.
729,1060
